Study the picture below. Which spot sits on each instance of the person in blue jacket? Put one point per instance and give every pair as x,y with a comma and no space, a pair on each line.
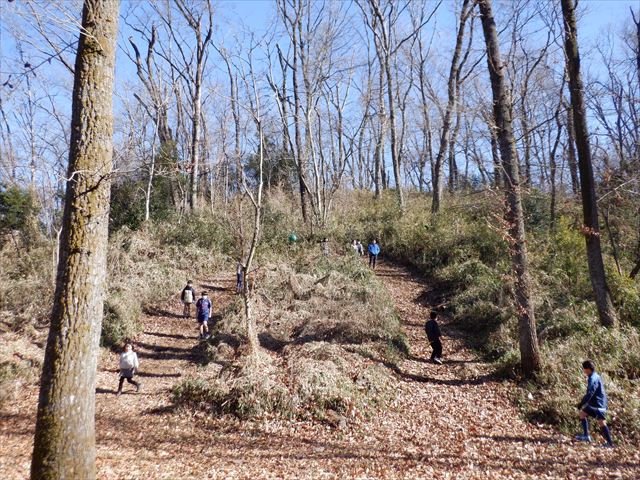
374,251
203,314
593,404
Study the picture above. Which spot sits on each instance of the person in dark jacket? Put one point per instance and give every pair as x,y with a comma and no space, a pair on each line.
433,335
593,404
188,297
374,251
203,314
239,275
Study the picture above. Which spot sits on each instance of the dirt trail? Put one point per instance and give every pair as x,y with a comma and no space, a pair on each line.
450,421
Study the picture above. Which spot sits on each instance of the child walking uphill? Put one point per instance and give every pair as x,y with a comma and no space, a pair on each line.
187,297
374,251
128,366
239,275
203,314
593,404
433,335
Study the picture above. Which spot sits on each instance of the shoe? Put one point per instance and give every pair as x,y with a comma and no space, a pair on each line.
138,387
583,438
118,393
607,445
438,361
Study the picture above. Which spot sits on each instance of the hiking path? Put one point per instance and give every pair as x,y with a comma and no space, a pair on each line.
453,421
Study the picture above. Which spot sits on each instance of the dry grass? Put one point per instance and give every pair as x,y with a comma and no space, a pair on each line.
308,326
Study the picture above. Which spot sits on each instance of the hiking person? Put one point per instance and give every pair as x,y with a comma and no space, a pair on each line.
593,404
324,245
128,366
203,314
187,297
433,335
239,276
374,251
359,248
354,246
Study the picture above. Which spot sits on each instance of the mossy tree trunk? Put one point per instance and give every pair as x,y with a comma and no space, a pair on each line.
64,444
528,339
591,228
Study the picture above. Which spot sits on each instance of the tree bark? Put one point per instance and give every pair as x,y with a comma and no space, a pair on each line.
64,444
573,164
606,310
451,107
195,132
301,163
528,339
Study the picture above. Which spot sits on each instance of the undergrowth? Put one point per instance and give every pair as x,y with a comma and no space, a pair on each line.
464,256
315,318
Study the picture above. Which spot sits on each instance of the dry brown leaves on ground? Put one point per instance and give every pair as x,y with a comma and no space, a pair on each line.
450,421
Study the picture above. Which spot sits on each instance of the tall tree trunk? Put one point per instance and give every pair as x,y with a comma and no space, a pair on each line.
195,139
379,164
451,107
606,310
553,167
573,164
453,166
301,162
64,445
395,147
152,169
528,339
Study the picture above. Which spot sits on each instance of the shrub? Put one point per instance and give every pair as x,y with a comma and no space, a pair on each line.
121,319
253,390
626,297
316,316
18,211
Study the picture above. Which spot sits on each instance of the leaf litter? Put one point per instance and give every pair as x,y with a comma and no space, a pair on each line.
447,422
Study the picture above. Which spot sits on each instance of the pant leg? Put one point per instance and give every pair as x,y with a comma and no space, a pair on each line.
120,383
132,381
375,259
437,348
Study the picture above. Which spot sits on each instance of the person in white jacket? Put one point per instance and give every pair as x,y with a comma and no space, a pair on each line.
128,366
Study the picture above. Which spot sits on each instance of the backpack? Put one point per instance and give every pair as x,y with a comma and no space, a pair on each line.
188,295
204,307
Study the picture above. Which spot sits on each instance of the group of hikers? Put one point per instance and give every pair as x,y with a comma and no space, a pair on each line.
373,249
204,308
592,405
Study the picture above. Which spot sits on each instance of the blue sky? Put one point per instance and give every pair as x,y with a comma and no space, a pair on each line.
257,14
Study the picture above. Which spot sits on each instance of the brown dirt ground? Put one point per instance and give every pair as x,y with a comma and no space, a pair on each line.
447,422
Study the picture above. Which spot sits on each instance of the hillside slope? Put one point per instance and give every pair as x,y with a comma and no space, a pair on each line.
450,421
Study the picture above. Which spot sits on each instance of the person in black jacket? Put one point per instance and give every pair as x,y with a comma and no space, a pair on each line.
433,335
188,297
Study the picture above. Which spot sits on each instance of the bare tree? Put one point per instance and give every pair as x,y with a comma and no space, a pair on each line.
528,339
64,445
591,228
452,92
292,13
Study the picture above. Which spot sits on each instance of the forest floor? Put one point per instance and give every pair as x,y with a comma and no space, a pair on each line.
449,421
